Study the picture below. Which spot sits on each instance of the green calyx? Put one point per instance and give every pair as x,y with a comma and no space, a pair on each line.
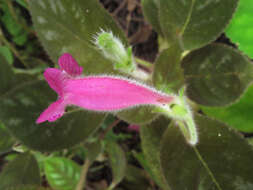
180,112
113,49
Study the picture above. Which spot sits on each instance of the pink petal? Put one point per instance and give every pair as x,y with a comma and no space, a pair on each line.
105,93
55,79
69,65
134,128
53,112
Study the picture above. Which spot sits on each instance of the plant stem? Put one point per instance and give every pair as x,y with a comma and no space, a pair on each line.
12,48
102,136
82,181
144,63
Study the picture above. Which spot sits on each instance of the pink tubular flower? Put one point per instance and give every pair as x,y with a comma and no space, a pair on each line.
98,93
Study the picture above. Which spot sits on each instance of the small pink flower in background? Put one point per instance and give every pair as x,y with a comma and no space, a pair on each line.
97,93
135,128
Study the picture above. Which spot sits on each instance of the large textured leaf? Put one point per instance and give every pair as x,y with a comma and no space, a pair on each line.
22,99
195,23
151,12
24,170
150,140
138,115
221,160
61,173
216,75
6,140
238,115
240,29
117,161
69,26
168,74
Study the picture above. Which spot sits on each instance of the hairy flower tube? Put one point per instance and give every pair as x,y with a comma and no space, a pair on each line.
97,93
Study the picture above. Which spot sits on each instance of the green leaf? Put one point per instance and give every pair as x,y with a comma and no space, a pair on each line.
6,140
145,164
24,170
70,26
20,39
22,3
62,173
150,140
195,23
138,115
22,100
220,161
240,29
151,12
216,75
7,78
93,150
168,75
238,115
11,156
11,23
118,162
6,52
135,178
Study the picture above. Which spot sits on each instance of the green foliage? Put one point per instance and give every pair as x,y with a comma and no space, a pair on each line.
168,75
93,150
135,178
6,141
23,170
6,52
117,161
180,20
22,3
69,26
11,22
189,23
216,75
238,115
240,29
151,13
62,173
150,138
139,115
221,159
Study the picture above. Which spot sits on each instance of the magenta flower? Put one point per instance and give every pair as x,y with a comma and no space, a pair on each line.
97,93
134,127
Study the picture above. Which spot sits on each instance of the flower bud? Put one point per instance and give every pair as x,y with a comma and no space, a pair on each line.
113,49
